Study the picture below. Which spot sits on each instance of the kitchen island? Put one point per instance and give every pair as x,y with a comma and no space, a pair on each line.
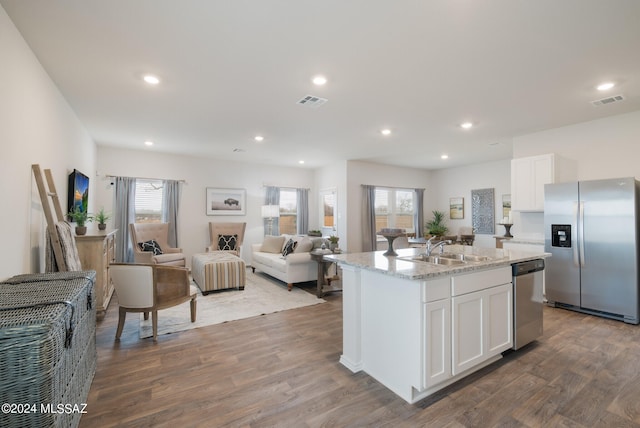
419,326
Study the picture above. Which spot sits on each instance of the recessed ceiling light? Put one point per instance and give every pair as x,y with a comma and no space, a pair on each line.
444,157
148,143
151,79
319,80
386,132
605,86
258,138
300,162
466,125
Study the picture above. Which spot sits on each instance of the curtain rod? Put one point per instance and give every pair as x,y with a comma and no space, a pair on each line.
394,187
284,187
142,178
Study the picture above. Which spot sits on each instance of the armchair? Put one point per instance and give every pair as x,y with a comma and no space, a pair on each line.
149,288
159,232
221,237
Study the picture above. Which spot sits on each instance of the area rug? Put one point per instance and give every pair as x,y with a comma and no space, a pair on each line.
261,295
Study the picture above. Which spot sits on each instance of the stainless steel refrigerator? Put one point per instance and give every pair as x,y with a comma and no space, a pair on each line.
591,231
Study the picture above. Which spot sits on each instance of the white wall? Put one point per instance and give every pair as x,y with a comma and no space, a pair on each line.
603,148
36,126
458,182
359,173
199,174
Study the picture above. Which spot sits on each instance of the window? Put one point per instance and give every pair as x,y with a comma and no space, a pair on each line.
288,211
328,214
149,195
395,208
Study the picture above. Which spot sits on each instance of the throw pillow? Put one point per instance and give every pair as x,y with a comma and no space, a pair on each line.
151,246
272,244
289,247
304,246
227,242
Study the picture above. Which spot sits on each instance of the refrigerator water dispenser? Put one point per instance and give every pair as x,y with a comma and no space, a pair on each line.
561,235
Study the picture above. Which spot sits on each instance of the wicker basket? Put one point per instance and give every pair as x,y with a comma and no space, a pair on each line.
47,347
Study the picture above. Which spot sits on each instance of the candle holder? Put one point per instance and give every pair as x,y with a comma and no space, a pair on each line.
391,235
507,229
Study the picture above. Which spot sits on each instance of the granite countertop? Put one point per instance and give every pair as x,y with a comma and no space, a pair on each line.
397,266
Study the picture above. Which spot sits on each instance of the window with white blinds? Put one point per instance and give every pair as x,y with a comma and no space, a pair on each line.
288,211
395,208
149,195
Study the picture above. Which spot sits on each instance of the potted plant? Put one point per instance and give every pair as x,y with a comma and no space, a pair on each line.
314,232
102,218
81,218
436,226
333,242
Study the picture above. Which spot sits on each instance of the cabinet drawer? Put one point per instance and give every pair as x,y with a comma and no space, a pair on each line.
435,289
477,281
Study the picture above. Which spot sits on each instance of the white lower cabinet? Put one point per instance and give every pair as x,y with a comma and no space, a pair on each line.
481,326
468,347
437,344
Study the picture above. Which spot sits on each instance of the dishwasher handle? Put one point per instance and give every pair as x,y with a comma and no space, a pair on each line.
527,267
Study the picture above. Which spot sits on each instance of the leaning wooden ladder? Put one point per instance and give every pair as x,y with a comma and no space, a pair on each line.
47,197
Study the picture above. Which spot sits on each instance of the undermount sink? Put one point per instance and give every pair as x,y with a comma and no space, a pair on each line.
437,260
465,257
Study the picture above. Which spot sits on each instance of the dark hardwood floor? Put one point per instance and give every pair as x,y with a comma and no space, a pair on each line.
282,370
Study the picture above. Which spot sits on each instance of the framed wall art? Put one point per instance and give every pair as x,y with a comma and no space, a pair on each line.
456,208
483,211
226,201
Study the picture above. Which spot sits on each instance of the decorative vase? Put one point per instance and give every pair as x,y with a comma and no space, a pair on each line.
333,246
81,230
102,226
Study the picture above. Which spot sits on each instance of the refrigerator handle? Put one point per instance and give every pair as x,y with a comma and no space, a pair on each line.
581,234
576,217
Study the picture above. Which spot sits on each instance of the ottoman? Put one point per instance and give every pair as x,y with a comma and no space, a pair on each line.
218,270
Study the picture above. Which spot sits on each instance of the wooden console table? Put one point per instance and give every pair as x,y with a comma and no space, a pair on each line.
323,265
97,249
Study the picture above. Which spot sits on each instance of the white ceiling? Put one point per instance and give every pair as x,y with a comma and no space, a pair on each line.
234,69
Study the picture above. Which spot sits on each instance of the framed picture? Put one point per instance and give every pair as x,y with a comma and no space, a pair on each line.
506,205
483,211
226,201
456,208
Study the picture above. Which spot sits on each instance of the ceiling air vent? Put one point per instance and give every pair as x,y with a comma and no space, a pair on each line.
311,101
608,100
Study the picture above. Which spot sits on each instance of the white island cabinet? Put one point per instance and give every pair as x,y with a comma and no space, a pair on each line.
417,333
482,311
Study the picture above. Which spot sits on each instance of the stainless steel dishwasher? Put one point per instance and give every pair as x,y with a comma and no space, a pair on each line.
527,302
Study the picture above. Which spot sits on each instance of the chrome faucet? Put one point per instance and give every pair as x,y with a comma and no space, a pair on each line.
431,246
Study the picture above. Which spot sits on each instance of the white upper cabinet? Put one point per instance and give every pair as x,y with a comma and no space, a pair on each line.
530,174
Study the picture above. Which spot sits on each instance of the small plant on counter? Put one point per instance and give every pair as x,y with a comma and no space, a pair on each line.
102,218
334,239
81,218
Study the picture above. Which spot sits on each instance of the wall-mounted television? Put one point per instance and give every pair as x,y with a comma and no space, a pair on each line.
78,195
